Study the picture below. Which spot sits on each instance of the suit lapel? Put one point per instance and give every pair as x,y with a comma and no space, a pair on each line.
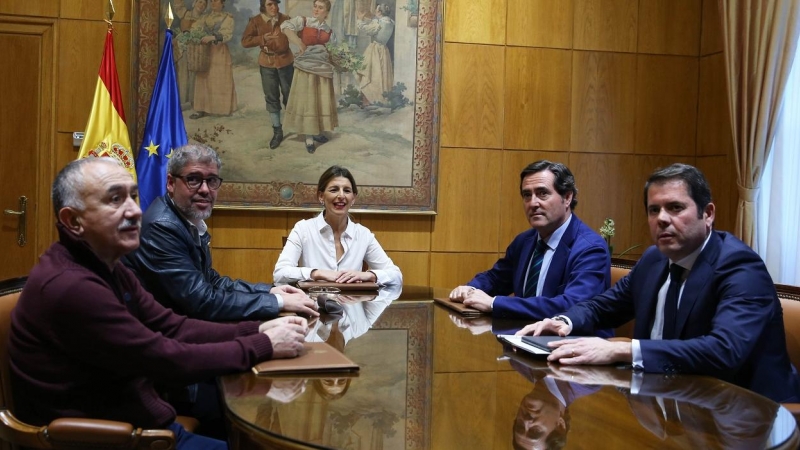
656,275
701,272
558,264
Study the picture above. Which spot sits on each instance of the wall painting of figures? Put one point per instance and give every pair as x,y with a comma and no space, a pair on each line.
363,92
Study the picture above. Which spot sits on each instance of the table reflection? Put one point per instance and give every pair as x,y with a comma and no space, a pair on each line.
429,379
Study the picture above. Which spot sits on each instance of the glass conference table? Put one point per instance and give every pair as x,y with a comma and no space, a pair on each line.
431,379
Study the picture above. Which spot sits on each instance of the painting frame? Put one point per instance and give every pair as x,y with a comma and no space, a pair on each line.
418,196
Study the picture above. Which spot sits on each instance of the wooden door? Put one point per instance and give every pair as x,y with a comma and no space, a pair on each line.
26,118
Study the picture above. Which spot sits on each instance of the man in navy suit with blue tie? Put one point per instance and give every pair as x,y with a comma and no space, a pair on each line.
550,267
716,313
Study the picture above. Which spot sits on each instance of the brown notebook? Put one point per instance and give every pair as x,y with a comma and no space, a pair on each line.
465,311
369,286
317,357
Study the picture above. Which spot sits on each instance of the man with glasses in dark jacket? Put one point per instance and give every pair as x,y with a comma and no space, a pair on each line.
173,261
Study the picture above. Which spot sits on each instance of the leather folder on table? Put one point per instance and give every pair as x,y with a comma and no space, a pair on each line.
317,358
368,286
465,311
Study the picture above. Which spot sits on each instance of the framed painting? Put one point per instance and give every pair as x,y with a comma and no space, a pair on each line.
373,107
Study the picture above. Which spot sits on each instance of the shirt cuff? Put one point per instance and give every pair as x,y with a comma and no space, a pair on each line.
636,355
279,299
567,320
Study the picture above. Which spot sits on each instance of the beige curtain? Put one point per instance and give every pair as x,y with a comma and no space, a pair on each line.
759,39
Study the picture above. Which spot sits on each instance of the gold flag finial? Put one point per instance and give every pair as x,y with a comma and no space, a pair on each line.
110,12
169,17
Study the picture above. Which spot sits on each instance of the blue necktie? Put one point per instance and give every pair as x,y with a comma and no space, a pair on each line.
671,303
533,271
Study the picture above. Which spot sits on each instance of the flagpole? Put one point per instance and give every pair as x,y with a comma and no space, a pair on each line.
110,11
169,18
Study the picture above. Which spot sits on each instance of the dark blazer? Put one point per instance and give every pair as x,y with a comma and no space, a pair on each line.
730,321
579,270
736,417
174,264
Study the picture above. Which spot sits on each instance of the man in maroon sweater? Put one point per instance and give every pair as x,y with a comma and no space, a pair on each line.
88,341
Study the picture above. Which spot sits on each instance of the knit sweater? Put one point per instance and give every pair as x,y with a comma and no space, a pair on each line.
89,341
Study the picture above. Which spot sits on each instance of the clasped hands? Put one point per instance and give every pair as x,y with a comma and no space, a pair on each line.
472,297
343,276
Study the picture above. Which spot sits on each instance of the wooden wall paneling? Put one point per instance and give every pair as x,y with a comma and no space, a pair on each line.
472,96
646,165
95,10
253,265
512,213
714,135
540,23
609,25
711,36
446,430
248,229
474,22
603,102
414,265
606,190
449,270
80,52
537,98
469,188
34,8
720,171
666,105
400,232
670,27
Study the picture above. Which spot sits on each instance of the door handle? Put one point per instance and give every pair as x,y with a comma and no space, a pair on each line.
23,206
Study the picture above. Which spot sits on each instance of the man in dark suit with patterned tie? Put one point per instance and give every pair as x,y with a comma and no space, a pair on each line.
550,267
716,314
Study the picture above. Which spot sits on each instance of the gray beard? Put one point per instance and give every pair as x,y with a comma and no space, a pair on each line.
193,214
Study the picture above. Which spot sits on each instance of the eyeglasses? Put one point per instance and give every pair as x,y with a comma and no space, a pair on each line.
195,181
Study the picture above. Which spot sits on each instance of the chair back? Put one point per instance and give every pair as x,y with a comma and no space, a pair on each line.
65,433
619,269
9,294
790,302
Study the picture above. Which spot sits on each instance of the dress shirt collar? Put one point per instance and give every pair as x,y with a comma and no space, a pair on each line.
689,260
199,229
555,238
322,225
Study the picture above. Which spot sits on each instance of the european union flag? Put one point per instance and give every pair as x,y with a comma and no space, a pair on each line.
163,131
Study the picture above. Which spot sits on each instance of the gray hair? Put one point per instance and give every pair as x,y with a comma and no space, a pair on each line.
69,183
192,153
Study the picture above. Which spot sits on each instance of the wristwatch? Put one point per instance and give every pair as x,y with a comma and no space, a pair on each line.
560,319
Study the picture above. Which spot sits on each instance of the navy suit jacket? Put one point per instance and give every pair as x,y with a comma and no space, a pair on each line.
579,270
729,323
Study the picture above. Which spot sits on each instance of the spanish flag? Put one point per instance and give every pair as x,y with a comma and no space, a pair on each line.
106,133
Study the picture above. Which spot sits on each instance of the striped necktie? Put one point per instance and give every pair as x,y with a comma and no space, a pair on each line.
533,271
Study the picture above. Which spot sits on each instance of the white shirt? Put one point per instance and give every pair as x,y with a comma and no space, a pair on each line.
311,246
552,244
658,322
